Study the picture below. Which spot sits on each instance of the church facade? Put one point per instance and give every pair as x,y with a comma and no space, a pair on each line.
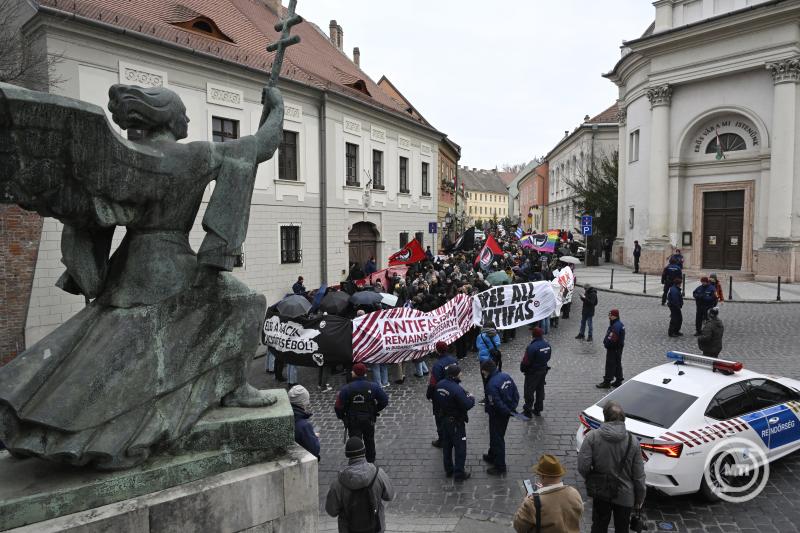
355,177
708,138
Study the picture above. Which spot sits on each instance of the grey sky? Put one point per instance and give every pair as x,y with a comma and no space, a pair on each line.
503,78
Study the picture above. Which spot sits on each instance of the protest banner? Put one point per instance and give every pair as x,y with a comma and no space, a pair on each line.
511,306
403,334
383,276
305,341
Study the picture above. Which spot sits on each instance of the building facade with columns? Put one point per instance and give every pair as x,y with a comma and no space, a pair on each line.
354,177
569,161
709,132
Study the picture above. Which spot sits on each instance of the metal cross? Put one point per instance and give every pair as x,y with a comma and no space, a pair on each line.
284,26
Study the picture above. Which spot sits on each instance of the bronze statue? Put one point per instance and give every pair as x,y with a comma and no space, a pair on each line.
168,333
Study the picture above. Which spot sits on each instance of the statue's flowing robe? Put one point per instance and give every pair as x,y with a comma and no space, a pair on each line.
138,366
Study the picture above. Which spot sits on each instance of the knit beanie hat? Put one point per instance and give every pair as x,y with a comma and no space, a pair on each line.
298,395
538,332
360,369
489,366
354,448
452,371
614,312
441,346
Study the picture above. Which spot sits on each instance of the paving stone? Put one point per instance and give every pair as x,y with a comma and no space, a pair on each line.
762,336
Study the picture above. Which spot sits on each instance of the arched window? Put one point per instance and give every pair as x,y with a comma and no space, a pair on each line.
730,143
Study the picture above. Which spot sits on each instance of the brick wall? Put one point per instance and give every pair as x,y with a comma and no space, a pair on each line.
20,232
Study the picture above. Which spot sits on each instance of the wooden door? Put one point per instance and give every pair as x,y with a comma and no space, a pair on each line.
363,243
723,226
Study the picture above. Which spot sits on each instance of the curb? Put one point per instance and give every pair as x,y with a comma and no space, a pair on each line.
642,295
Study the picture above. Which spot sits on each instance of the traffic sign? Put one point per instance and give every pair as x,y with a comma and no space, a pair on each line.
586,230
586,220
432,227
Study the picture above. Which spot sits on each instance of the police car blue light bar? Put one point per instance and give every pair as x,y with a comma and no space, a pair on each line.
721,365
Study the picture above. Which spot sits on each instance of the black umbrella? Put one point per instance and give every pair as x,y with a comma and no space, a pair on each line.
293,306
335,302
366,298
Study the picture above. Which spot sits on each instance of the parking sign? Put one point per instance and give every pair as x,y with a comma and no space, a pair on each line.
432,227
586,225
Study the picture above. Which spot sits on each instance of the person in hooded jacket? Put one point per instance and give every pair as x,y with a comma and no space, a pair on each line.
502,399
358,474
710,339
589,299
304,433
603,451
443,361
487,341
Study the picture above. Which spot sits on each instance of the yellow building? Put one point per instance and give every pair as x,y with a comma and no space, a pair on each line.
487,196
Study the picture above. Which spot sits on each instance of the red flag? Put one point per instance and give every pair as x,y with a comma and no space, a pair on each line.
411,253
489,250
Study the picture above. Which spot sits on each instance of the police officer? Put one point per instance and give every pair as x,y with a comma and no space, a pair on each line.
534,366
453,402
675,303
670,272
502,399
705,296
358,404
443,361
614,342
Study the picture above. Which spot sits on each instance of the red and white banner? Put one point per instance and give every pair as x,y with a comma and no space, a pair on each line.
383,276
403,334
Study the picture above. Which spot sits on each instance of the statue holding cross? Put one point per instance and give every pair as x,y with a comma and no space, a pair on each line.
168,333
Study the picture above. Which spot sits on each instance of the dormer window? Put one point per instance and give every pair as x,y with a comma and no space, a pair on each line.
359,86
203,26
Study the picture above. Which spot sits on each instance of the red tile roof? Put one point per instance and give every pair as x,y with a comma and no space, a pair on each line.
316,61
609,116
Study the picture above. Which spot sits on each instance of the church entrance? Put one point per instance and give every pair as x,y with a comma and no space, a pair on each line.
363,243
723,224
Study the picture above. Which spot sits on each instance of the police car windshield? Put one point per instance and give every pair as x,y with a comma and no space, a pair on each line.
650,403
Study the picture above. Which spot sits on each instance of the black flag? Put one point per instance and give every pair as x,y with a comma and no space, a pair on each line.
465,242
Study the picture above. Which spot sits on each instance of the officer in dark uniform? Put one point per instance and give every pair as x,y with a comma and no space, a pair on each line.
675,303
443,361
670,272
358,404
502,399
614,342
453,402
534,366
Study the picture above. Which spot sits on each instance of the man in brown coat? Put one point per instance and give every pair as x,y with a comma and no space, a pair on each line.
560,507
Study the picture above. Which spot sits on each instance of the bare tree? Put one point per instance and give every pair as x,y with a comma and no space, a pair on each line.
24,61
513,167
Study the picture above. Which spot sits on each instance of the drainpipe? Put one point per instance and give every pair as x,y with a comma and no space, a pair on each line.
323,188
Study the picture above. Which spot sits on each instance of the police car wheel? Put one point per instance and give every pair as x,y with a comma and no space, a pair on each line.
724,462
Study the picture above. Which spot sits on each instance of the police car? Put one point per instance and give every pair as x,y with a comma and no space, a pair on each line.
684,412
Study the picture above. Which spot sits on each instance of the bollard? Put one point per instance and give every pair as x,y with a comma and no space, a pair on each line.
683,286
730,288
779,288
611,287
644,290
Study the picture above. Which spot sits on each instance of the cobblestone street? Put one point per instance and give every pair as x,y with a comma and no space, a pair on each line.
760,335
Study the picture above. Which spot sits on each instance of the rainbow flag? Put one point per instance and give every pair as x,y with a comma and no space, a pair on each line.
541,242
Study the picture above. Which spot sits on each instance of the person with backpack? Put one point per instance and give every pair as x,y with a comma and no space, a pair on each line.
534,367
710,339
357,494
589,299
488,345
610,462
358,404
453,403
554,507
444,360
502,399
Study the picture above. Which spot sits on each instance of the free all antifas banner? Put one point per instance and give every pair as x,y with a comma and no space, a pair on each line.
403,334
511,306
309,341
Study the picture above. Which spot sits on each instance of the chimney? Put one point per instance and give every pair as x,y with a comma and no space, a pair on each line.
586,118
566,133
357,56
334,28
274,6
340,33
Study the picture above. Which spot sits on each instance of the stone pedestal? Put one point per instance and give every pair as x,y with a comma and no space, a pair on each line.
778,258
655,254
239,470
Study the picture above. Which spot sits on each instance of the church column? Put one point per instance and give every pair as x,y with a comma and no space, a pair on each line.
775,258
657,205
622,166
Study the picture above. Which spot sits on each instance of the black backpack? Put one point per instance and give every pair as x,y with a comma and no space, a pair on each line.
362,512
361,404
